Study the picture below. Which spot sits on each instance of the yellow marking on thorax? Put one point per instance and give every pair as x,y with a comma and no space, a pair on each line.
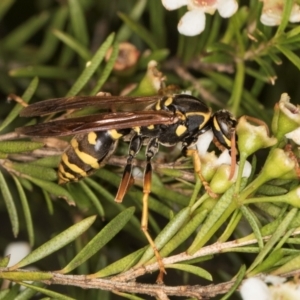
181,129
71,166
84,157
115,134
180,115
137,129
169,101
150,127
92,138
157,105
206,116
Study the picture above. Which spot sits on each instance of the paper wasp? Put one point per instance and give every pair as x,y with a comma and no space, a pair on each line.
149,121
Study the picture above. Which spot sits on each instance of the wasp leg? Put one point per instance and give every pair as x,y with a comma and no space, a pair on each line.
152,149
17,99
135,146
197,167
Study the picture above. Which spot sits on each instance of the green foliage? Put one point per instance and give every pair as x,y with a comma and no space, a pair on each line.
53,49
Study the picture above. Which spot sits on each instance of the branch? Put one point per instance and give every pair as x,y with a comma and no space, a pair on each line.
208,250
160,291
125,282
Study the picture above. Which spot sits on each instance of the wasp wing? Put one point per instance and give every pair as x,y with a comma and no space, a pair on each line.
98,122
77,102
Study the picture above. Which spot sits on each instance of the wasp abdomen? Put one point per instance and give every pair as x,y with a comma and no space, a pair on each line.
87,153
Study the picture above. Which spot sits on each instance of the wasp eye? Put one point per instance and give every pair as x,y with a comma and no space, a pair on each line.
223,125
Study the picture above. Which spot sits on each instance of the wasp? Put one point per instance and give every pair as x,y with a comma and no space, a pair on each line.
150,121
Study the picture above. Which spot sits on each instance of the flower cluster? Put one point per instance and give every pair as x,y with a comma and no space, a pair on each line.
193,21
272,12
253,134
286,118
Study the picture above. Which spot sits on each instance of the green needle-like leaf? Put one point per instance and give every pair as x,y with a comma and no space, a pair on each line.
73,44
107,70
183,234
222,210
12,293
10,205
167,233
139,30
290,55
50,42
4,262
292,265
268,264
247,213
135,13
275,237
22,276
19,146
94,199
56,243
101,239
128,296
121,265
17,108
44,72
239,277
53,295
91,67
25,31
4,6
78,22
287,9
231,226
28,293
191,269
54,189
26,210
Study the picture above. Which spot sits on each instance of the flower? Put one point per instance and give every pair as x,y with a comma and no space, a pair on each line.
193,21
221,180
294,135
127,57
17,251
256,288
272,12
252,137
286,117
217,169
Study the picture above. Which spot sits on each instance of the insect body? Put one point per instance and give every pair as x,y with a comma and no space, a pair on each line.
86,153
152,121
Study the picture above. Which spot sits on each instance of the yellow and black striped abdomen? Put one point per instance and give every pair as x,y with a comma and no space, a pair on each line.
87,153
